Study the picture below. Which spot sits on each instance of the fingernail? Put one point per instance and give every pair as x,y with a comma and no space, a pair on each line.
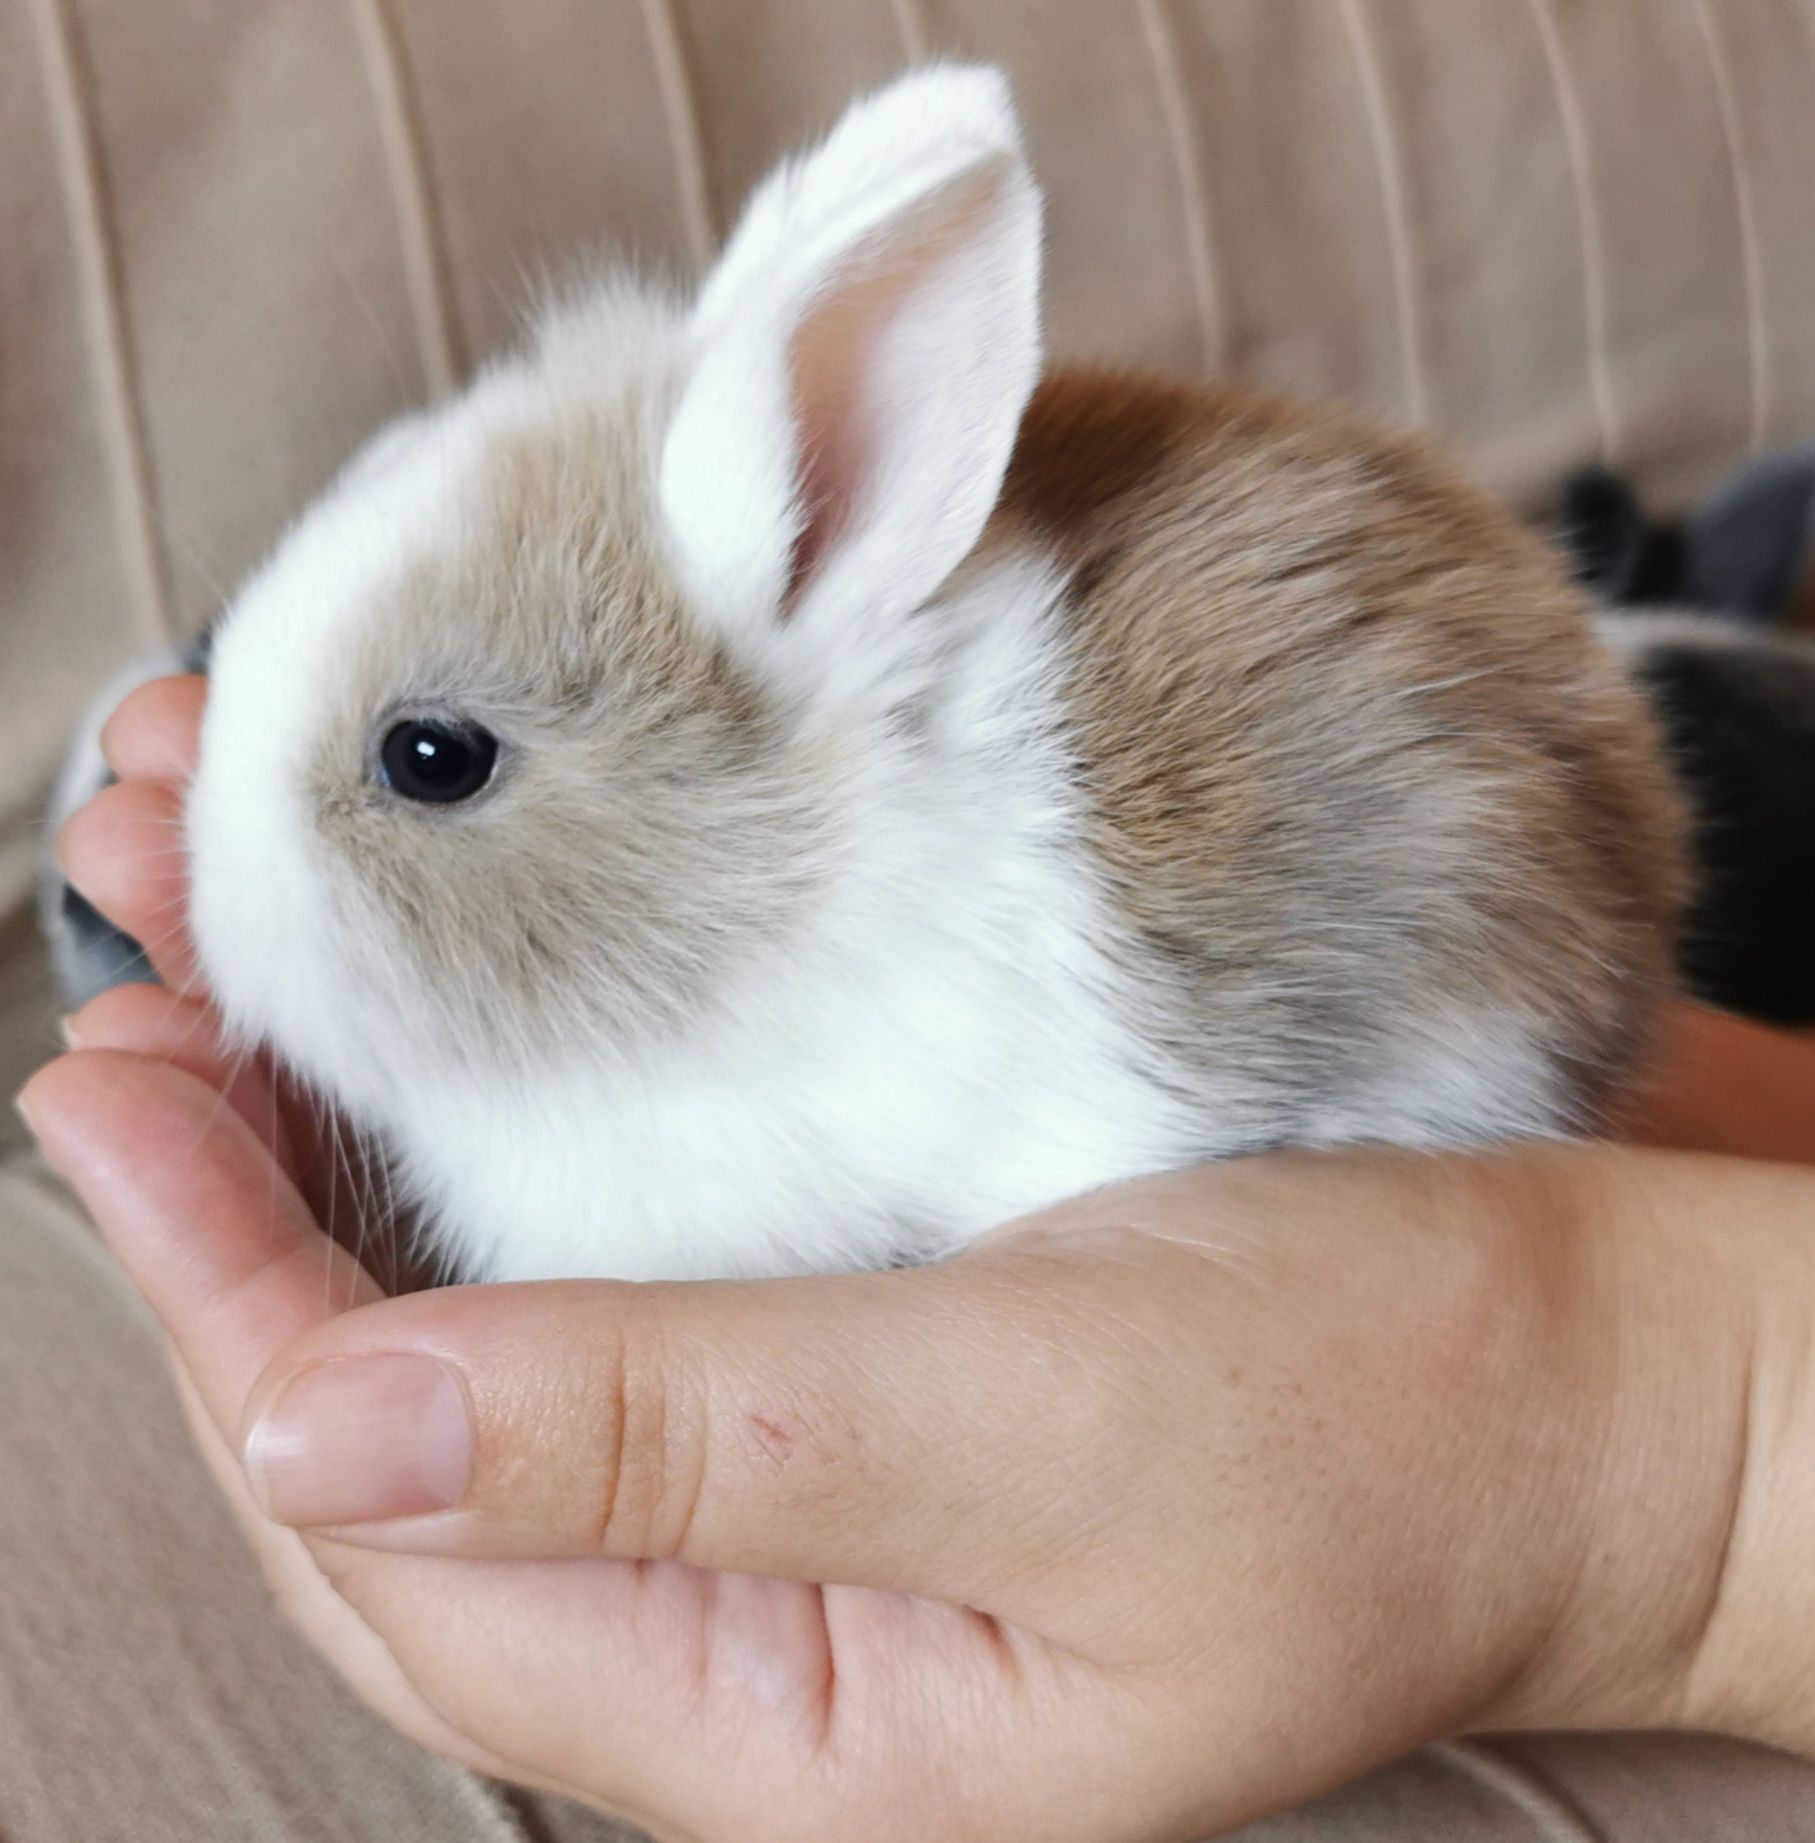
66,1030
363,1440
22,1107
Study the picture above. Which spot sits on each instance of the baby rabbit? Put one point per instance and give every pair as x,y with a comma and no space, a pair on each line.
772,783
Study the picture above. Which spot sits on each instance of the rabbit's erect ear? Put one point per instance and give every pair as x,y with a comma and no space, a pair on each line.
861,358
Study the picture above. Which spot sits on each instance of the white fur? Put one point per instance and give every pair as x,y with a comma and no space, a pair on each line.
262,907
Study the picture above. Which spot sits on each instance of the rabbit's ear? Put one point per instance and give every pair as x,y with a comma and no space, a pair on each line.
860,360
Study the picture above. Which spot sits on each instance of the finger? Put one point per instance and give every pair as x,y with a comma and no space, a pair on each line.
227,1257
155,733
224,1252
211,1232
389,1622
821,1429
336,1171
148,1020
326,1620
124,851
486,1643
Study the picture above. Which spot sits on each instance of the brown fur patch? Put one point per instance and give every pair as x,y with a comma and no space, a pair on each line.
1351,752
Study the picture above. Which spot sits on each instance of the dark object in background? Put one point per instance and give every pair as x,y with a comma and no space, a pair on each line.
1738,710
1619,553
1743,552
1736,696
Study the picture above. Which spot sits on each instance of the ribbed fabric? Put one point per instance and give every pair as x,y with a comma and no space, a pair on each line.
1177,110
117,392
420,236
1573,123
686,142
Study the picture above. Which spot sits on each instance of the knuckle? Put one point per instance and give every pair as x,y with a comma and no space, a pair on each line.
652,1467
122,1011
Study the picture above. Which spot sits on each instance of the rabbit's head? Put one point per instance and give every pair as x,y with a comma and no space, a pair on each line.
549,714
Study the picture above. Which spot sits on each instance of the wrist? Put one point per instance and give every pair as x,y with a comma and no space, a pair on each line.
1751,1671
1676,1299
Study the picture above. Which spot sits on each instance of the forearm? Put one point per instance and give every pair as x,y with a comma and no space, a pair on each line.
1722,1084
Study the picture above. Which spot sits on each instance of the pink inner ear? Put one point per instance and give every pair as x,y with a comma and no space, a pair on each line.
829,356
833,364
827,373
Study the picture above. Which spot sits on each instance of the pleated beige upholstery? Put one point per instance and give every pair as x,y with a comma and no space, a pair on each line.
235,235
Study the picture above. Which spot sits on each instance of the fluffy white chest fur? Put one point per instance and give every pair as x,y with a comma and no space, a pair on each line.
895,1112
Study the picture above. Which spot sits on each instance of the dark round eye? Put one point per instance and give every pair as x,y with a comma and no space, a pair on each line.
437,761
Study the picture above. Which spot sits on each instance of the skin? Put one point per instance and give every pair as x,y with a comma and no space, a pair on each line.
1176,1505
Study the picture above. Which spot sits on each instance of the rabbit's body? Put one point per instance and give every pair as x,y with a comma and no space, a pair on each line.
1383,824
877,836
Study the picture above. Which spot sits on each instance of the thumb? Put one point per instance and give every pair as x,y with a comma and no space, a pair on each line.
885,1430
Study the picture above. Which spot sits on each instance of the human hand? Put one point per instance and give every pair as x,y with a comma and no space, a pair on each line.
1180,1504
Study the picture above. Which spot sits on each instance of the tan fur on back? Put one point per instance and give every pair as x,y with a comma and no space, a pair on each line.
1351,752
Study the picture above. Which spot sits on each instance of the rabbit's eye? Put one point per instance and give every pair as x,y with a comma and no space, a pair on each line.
437,761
